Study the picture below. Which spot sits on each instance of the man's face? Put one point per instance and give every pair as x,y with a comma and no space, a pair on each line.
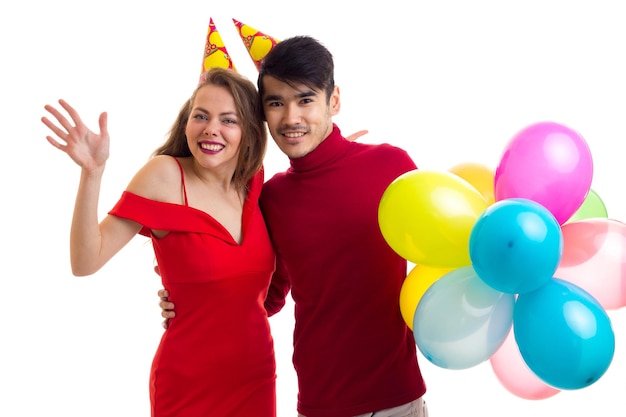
298,118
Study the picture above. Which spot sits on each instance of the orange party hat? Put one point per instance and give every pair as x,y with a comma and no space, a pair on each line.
215,53
257,43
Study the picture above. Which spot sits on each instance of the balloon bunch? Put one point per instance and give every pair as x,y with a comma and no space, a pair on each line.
517,266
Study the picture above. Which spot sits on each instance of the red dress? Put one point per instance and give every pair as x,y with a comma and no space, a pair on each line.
216,357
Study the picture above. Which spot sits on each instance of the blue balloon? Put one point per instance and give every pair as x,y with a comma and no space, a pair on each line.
516,245
563,334
460,321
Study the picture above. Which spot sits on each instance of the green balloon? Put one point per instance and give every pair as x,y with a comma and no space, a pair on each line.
592,207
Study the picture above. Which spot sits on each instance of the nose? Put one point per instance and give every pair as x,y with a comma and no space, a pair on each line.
291,115
211,128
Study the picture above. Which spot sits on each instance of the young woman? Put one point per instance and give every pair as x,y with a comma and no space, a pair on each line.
197,199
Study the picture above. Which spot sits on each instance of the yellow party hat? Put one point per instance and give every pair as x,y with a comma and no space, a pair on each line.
215,53
257,43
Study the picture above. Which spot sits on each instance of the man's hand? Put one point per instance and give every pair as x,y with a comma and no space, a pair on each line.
167,307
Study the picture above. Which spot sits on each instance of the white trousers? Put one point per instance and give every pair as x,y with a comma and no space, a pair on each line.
415,408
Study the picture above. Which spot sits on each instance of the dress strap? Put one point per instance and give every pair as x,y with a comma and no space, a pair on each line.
182,176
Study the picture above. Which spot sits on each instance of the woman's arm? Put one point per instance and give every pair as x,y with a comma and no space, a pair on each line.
92,244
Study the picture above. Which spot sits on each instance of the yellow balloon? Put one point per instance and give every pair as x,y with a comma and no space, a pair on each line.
427,217
413,288
479,176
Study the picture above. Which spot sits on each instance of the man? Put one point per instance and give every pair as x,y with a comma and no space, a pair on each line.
353,353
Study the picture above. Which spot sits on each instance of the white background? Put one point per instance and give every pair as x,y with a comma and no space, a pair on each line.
449,81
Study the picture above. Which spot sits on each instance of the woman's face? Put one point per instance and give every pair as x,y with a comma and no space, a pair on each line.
213,130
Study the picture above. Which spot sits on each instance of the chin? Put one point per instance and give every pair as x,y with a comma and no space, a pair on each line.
294,152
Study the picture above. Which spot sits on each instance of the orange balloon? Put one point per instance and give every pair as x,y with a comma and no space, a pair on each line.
415,285
479,176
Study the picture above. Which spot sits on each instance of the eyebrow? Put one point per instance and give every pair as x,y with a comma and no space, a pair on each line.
205,111
277,97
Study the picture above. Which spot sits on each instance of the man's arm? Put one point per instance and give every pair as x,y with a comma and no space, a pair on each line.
278,290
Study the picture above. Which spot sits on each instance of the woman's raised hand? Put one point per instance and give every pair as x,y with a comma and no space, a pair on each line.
88,149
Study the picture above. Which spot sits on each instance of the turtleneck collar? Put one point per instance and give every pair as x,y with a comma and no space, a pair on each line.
329,150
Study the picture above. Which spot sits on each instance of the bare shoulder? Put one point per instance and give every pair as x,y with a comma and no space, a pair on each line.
159,179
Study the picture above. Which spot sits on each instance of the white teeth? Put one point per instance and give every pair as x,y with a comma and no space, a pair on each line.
211,147
294,135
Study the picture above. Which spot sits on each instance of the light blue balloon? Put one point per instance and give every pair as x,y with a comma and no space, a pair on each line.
460,321
516,245
564,335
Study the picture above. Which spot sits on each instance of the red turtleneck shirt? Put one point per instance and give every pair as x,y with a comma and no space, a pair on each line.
353,352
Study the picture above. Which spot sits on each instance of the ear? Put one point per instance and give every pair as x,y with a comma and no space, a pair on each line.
334,102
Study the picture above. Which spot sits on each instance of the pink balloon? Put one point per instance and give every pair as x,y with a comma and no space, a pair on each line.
594,258
548,163
513,373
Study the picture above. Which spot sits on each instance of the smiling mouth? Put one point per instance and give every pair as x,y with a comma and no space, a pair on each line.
293,135
211,147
